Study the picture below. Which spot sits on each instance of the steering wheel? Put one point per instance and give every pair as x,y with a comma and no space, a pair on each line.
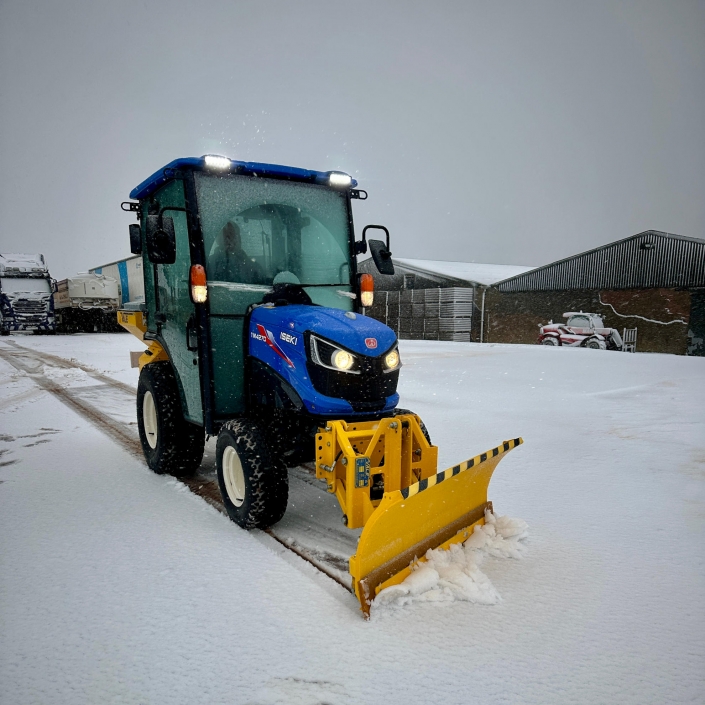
286,277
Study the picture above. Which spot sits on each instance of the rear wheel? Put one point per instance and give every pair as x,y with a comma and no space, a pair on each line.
595,344
171,444
253,482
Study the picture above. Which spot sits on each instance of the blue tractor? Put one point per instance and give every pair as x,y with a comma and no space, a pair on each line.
255,326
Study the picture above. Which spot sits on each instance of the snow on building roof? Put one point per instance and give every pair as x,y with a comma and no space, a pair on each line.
485,274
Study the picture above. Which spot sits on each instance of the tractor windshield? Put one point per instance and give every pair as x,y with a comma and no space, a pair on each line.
261,232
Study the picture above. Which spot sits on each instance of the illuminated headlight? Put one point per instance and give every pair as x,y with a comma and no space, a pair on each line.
339,180
343,360
214,161
328,355
391,360
367,298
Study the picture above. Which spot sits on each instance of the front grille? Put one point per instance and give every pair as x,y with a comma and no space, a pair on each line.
367,391
29,306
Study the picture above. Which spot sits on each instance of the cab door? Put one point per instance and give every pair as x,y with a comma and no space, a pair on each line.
174,310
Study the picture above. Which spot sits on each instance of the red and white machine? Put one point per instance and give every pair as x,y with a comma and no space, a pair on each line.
581,330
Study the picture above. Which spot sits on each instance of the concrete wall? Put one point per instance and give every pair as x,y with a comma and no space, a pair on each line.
516,317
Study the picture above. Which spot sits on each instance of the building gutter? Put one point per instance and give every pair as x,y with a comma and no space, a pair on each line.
482,315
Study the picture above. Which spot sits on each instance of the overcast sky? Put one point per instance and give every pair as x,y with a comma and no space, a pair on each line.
498,132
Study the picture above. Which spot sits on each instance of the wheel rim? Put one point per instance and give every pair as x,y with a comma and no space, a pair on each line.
149,418
234,476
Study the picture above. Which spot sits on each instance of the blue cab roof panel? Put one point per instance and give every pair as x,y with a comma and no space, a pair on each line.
277,171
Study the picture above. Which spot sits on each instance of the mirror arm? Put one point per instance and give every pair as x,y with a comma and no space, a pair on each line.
375,227
169,208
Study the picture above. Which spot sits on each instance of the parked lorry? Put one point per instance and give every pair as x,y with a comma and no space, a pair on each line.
254,321
584,330
26,302
86,303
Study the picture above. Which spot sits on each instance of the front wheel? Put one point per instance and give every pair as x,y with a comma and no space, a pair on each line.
253,482
549,341
422,425
171,444
596,344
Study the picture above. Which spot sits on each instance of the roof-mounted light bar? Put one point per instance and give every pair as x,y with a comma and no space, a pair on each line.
218,163
215,161
339,180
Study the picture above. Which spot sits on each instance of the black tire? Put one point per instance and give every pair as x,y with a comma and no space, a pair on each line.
595,344
171,444
424,430
256,491
550,341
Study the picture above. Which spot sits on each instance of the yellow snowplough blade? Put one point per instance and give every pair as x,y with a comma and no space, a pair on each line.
384,476
432,513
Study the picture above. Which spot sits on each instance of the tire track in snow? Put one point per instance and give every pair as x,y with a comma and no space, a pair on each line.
117,432
21,358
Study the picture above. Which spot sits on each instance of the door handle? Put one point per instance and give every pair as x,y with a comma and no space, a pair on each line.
191,336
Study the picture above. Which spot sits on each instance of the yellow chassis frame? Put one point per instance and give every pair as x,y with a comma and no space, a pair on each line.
133,322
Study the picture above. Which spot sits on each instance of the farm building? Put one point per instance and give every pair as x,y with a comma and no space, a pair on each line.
653,281
434,300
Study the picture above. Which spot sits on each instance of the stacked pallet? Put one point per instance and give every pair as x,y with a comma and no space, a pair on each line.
426,314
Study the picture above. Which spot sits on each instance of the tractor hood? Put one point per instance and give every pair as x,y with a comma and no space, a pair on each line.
359,334
279,338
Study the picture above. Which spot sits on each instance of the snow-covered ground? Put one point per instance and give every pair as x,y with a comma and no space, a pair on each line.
118,586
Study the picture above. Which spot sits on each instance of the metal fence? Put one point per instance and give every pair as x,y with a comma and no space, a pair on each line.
426,314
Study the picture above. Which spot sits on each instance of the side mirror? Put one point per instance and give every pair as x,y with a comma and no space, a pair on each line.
161,240
379,251
135,239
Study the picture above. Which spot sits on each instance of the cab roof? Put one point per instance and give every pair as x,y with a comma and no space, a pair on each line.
277,171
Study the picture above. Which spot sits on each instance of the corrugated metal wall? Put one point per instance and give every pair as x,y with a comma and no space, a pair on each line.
650,259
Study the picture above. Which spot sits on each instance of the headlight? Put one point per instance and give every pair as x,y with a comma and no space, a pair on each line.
328,355
391,360
343,360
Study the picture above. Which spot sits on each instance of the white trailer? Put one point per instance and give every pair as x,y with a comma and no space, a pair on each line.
87,303
128,273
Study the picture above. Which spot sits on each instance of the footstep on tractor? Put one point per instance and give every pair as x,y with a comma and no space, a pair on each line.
256,333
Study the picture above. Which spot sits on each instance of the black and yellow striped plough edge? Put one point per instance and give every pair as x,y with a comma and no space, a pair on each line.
436,479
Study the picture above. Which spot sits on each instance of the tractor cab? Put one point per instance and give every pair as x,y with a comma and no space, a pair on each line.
217,237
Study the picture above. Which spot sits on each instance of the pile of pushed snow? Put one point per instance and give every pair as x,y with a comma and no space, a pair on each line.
455,574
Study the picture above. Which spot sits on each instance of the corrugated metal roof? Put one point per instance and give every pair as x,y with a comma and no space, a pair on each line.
646,260
473,272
